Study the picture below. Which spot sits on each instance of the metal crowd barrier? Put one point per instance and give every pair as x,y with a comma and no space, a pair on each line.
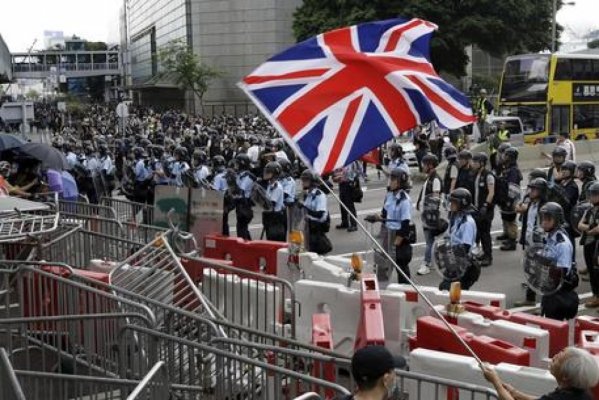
10,389
259,301
80,208
225,374
129,211
423,385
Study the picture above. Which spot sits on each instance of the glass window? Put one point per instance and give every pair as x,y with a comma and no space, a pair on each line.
563,70
586,116
532,117
525,79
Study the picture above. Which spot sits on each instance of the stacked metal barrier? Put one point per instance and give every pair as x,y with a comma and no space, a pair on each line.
154,327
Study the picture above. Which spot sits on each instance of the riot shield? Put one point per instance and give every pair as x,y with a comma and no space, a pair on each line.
451,262
431,212
578,213
514,195
298,232
386,238
260,197
542,275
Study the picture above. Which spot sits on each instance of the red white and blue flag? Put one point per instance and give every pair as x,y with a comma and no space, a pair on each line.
340,94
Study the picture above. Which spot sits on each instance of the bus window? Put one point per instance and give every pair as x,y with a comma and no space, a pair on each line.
563,70
560,119
532,117
586,116
525,79
585,70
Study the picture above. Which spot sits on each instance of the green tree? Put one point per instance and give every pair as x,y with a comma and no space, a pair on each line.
32,94
593,44
178,61
497,27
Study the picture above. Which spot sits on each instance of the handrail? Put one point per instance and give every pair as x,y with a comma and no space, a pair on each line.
8,378
159,367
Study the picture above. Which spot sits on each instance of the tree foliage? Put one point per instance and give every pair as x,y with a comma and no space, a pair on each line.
179,62
497,27
593,44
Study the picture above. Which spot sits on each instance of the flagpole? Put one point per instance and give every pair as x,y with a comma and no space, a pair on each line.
403,274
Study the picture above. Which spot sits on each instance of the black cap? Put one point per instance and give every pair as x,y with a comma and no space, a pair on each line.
372,362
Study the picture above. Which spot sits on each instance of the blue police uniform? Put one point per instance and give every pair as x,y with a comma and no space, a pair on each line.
397,210
177,170
163,178
220,182
462,233
399,163
201,173
317,216
72,159
562,305
288,184
274,222
142,172
243,206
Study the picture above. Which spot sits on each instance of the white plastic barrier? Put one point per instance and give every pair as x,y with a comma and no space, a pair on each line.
416,307
534,340
244,301
317,268
533,381
343,305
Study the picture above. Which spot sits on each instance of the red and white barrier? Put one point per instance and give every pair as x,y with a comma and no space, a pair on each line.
416,307
343,305
531,339
585,323
533,381
322,336
432,334
559,331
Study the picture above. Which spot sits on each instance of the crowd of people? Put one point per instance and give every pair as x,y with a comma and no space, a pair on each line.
244,160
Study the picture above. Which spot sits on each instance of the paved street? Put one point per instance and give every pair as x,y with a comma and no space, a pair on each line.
505,275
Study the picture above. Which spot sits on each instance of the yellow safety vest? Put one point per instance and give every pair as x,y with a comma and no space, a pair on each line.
481,110
503,135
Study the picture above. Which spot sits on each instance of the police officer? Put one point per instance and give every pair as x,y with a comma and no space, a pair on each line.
397,215
586,175
179,166
396,160
346,179
496,148
287,181
531,222
200,169
245,181
160,165
563,304
589,227
483,107
107,168
274,221
484,201
432,187
219,183
315,204
510,174
451,171
558,156
571,191
462,233
465,177
143,177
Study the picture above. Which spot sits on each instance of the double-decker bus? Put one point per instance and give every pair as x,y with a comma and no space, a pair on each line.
552,93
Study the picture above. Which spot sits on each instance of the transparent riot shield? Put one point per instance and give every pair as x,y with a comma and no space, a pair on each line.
431,212
578,213
451,262
386,238
298,233
514,195
542,275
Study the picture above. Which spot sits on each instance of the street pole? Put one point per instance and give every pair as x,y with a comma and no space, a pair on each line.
553,26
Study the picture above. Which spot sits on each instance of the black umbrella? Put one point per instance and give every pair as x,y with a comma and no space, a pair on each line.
48,155
10,141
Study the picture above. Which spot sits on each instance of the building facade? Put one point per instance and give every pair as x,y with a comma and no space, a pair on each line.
233,36
5,62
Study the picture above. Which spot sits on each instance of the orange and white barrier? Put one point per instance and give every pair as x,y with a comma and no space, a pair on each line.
534,340
343,304
533,381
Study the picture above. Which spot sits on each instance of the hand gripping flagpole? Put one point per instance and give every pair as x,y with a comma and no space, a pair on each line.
403,274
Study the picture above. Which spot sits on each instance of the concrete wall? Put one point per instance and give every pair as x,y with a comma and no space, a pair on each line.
5,62
235,36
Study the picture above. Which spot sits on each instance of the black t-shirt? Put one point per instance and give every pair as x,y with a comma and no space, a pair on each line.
567,394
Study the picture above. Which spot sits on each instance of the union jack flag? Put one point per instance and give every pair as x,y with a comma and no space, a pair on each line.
340,94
